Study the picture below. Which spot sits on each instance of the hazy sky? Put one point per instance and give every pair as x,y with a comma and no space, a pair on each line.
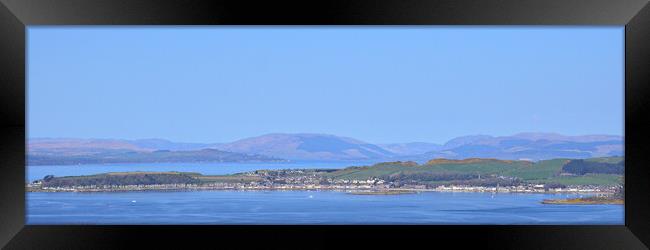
377,84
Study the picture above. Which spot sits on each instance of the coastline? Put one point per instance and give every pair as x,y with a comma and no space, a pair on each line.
596,197
359,190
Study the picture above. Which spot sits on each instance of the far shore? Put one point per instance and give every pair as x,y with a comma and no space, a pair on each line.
383,192
356,191
595,198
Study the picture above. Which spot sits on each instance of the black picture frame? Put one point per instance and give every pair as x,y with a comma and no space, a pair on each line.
15,15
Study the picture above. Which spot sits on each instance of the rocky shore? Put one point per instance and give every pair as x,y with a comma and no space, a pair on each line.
594,200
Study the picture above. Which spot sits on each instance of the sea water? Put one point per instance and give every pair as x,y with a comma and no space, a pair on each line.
310,207
292,207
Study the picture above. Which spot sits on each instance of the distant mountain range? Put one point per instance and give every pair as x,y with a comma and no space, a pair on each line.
411,148
308,147
323,147
83,146
120,156
98,151
527,146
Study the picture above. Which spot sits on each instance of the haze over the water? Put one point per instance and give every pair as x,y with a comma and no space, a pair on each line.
380,85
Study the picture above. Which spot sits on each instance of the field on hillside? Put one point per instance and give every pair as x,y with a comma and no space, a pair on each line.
436,171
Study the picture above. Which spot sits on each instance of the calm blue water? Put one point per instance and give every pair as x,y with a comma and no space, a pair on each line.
38,172
292,207
309,207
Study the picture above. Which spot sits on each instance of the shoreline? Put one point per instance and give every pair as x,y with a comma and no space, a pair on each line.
592,199
362,191
585,201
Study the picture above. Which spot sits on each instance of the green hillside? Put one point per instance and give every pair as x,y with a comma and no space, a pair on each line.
540,170
443,171
469,166
611,160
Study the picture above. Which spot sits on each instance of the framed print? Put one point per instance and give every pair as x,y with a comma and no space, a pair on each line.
516,124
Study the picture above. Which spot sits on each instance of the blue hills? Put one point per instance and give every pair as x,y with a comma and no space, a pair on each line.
527,146
324,147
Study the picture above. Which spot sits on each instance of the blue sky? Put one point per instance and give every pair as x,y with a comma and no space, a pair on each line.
377,84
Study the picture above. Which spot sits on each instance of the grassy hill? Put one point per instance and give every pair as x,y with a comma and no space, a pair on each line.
612,160
538,171
468,166
440,171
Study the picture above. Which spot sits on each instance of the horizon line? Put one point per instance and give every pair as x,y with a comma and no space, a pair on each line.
322,134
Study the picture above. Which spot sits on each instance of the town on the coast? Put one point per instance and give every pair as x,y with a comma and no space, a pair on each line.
600,177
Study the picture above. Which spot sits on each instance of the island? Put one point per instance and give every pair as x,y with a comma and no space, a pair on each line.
601,177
